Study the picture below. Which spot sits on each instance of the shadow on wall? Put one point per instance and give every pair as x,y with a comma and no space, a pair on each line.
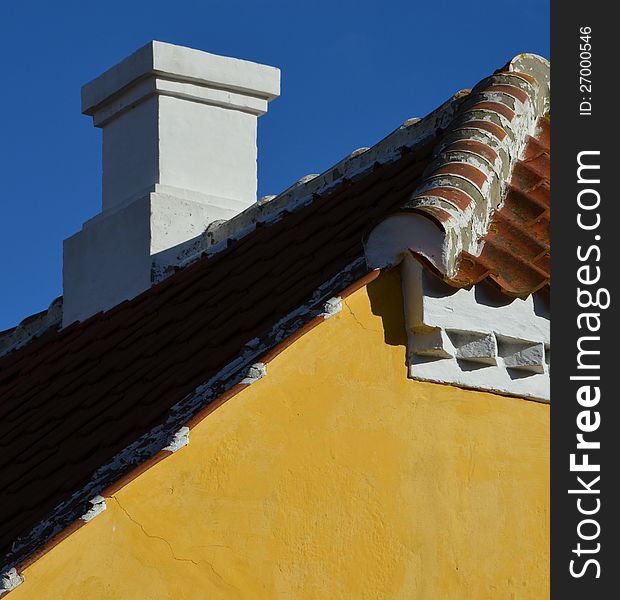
386,301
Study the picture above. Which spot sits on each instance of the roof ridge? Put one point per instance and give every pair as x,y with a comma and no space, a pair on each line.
410,134
501,115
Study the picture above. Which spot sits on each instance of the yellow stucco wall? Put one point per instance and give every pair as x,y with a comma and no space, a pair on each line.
335,477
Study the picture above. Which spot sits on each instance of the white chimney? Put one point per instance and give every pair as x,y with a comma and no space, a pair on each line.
179,152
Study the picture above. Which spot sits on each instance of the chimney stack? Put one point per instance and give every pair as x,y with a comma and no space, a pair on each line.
179,152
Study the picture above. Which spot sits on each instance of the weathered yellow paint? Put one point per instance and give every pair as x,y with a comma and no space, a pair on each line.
335,477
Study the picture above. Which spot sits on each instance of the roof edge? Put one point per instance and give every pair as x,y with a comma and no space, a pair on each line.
156,444
411,134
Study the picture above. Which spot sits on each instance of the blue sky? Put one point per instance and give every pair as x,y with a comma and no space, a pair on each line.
351,73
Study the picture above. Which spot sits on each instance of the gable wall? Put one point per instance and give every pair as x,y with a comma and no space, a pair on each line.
334,477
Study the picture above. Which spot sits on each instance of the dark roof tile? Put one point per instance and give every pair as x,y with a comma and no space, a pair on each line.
71,403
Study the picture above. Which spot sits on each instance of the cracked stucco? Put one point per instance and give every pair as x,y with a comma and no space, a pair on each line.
154,537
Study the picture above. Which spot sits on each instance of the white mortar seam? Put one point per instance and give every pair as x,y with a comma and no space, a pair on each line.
9,580
179,440
255,372
98,506
332,307
154,440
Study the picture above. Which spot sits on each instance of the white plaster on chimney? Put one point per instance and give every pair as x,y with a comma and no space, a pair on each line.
179,152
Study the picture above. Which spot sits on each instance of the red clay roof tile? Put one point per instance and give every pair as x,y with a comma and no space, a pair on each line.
516,247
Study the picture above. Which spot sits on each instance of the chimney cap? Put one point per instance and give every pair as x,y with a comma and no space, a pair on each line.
180,63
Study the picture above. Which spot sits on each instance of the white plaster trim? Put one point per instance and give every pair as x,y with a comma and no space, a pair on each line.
499,378
9,580
462,337
255,372
31,327
430,303
185,65
332,307
98,506
187,91
179,440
